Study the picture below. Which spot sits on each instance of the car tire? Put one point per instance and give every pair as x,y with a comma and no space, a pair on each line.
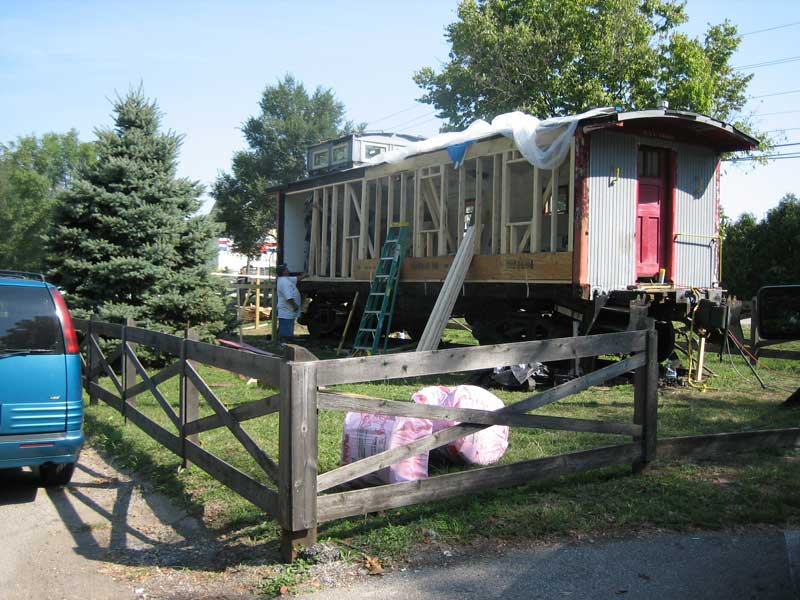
56,475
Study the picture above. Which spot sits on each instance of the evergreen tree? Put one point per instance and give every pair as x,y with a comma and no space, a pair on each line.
127,239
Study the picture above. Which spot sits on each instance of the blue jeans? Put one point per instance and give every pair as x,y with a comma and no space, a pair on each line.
285,328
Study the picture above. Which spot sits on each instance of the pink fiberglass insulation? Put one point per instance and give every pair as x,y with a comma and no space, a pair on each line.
366,435
485,447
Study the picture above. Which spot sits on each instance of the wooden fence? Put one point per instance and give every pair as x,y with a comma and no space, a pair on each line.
291,489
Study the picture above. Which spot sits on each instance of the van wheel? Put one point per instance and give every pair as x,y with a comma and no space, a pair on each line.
55,475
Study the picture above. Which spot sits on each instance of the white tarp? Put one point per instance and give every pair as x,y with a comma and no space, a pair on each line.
544,144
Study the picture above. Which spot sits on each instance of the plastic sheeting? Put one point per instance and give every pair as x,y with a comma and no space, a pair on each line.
544,144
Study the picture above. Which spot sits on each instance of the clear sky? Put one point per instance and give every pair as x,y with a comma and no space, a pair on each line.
207,62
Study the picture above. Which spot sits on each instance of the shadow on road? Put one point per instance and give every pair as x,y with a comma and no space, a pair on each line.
18,486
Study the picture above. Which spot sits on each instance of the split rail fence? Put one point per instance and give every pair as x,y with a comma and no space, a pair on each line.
291,489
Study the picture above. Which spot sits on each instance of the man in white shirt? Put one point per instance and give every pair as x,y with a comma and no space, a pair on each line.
288,302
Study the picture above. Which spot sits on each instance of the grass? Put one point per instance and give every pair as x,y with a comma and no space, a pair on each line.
759,488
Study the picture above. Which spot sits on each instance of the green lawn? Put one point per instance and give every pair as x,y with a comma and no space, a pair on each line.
754,488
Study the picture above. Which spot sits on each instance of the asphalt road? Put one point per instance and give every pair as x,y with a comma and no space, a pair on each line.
753,564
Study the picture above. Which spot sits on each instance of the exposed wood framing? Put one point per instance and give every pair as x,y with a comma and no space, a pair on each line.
314,248
504,201
323,255
444,234
477,211
496,201
554,211
462,192
334,228
571,207
348,195
378,213
537,215
418,215
403,193
389,203
363,235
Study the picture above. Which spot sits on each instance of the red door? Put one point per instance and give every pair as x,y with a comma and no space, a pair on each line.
651,212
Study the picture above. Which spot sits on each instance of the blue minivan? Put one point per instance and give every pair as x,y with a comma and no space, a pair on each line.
41,404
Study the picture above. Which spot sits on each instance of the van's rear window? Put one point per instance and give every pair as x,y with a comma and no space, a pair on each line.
28,321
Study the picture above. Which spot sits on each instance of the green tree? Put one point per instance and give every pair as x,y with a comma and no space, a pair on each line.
127,240
33,171
766,252
558,58
290,120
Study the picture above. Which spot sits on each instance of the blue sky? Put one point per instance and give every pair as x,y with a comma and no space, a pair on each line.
207,62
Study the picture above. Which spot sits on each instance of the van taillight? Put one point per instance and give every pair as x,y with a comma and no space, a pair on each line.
70,338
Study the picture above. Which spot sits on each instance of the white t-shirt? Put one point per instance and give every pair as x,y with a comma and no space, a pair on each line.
287,289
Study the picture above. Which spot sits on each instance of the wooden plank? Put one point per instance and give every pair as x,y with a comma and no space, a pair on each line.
157,379
497,192
543,267
258,366
325,231
334,229
378,406
478,209
571,200
359,502
505,196
243,412
112,330
162,401
313,249
348,192
462,203
537,216
228,475
378,214
554,211
389,204
164,437
403,197
81,325
171,344
103,363
443,241
446,300
298,446
723,444
363,220
103,394
253,449
368,368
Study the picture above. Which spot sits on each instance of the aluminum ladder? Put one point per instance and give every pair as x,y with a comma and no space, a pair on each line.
376,321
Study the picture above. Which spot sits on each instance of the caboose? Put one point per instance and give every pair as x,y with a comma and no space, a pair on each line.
575,219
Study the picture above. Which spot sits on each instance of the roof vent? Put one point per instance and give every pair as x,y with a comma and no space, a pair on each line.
663,104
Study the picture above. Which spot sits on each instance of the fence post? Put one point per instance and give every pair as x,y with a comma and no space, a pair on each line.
189,405
298,452
128,369
93,361
645,398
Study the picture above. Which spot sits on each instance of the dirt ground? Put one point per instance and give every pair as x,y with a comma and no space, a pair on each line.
108,535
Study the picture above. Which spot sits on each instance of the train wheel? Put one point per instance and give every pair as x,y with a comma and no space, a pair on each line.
322,319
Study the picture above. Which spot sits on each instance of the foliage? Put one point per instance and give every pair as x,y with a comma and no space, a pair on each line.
127,240
291,119
766,252
558,58
33,171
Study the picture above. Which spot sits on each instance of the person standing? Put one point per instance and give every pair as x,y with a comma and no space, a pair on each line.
288,302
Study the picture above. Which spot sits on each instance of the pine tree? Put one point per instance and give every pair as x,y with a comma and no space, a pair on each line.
127,240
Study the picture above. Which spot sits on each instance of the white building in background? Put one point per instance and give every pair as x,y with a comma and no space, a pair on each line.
229,261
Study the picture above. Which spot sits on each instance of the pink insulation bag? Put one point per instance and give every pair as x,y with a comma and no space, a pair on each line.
366,435
485,447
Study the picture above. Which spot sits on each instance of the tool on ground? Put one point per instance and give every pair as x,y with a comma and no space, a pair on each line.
376,321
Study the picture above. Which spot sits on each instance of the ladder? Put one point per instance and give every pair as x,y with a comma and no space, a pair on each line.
376,321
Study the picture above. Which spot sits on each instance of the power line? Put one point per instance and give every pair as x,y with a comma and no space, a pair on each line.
769,63
784,129
786,156
394,114
771,28
397,128
778,94
419,124
780,112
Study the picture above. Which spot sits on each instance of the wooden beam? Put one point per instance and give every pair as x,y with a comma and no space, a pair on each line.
418,217
504,205
444,232
379,406
369,368
313,249
363,218
403,197
346,230
462,202
334,230
323,258
162,401
378,230
537,216
243,412
259,366
478,208
497,193
389,203
171,344
554,212
384,497
571,207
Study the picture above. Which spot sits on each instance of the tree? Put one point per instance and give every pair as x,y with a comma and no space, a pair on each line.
32,172
127,240
766,252
277,139
558,58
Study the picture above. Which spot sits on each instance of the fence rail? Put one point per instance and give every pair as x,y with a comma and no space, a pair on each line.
297,495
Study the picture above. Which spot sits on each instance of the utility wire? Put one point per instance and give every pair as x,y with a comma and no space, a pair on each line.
778,94
769,63
419,124
785,25
780,112
394,114
404,125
